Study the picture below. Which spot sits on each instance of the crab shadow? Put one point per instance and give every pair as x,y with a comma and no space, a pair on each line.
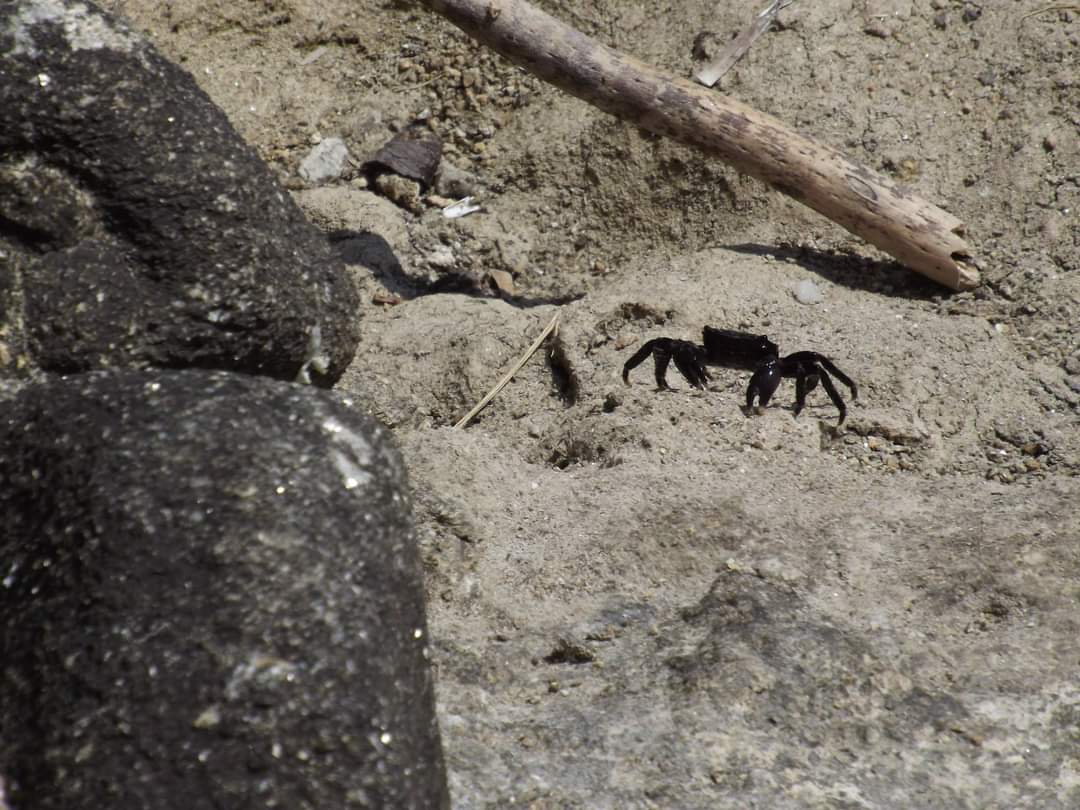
883,277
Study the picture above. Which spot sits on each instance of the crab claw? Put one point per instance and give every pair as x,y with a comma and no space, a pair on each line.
764,383
691,367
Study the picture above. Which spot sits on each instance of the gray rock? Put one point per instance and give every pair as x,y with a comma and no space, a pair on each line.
136,226
210,596
325,162
455,182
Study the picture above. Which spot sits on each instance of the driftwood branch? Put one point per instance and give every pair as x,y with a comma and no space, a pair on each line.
915,232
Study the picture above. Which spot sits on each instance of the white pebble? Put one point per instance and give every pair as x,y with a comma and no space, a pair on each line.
807,292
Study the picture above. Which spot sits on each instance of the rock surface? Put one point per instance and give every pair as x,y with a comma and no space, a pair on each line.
210,596
136,227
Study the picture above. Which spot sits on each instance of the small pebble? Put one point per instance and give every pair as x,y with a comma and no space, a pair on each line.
400,190
442,258
325,161
807,292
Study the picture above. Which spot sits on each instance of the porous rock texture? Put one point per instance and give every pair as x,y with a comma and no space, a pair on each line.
136,225
211,597
210,591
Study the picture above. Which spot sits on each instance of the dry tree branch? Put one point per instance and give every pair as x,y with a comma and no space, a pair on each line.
918,234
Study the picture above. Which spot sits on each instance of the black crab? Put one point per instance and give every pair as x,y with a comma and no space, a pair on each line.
727,347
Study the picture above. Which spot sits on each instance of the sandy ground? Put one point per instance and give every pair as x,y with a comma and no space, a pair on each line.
647,599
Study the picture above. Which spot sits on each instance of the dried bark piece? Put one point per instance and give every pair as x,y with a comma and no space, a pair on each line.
411,154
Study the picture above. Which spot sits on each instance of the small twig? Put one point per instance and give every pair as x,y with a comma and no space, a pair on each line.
1059,7
490,395
734,51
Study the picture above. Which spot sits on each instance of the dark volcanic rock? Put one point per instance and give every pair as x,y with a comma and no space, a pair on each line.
210,596
139,227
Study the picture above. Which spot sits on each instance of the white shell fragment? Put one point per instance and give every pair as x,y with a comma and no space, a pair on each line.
461,208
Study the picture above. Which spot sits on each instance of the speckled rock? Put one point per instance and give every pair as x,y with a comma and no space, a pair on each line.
210,596
137,226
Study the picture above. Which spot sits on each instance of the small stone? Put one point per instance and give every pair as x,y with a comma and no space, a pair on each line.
455,182
441,258
325,161
876,29
400,190
1050,143
941,20
706,45
807,292
971,13
569,651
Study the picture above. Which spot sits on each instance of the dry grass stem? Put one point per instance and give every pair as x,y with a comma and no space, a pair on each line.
490,395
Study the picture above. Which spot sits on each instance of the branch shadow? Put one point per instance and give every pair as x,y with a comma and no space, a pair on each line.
884,277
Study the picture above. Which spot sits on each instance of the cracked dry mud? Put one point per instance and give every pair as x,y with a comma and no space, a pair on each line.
645,599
